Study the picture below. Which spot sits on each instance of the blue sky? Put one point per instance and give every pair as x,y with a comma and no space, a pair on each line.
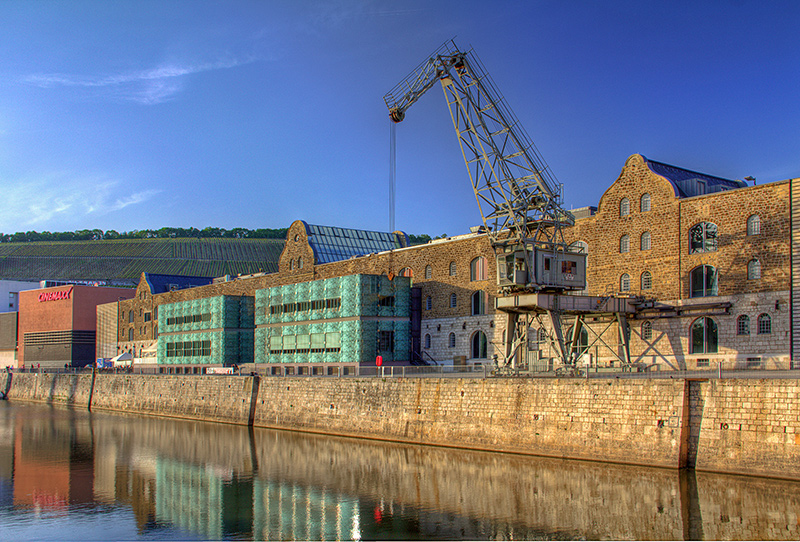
143,114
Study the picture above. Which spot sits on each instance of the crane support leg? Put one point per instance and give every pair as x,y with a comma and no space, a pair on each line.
575,338
558,332
516,340
624,336
511,339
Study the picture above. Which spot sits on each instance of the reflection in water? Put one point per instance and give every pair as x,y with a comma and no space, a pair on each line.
150,477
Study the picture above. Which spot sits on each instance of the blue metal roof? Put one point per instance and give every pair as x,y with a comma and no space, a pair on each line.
333,244
691,183
168,283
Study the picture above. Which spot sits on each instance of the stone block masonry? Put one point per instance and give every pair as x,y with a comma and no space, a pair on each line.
594,420
734,426
69,390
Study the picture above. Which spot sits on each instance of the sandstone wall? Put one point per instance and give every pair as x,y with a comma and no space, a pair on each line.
752,424
209,398
66,389
635,422
735,426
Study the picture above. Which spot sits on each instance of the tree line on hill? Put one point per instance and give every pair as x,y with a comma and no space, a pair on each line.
163,233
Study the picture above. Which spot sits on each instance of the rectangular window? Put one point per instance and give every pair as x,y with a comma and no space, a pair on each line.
385,341
702,363
303,344
387,301
275,344
289,344
148,316
317,342
333,342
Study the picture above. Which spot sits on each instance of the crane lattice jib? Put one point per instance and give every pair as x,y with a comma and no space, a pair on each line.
517,195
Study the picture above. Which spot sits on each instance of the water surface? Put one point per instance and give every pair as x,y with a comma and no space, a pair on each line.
75,475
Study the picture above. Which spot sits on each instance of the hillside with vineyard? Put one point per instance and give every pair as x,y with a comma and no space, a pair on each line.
122,261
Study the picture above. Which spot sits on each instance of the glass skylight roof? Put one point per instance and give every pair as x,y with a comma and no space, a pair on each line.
333,244
691,183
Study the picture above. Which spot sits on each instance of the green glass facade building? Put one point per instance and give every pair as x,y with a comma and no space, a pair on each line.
206,332
349,319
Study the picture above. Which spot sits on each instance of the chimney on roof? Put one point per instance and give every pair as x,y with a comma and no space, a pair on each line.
750,178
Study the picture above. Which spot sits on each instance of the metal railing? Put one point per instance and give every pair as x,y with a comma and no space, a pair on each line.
486,370
403,371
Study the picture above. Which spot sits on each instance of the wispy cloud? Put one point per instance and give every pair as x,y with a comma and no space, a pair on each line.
58,201
151,86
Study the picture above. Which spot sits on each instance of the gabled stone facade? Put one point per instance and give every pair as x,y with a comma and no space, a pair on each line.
670,262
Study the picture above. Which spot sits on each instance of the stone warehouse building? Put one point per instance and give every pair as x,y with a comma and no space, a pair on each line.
708,262
459,269
711,259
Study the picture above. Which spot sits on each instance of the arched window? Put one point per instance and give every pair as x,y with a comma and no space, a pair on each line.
428,272
477,269
644,242
451,340
406,272
427,340
743,325
764,324
479,345
647,331
645,203
703,281
478,302
753,225
428,303
625,283
754,269
453,300
624,207
130,334
647,280
291,265
704,336
299,263
452,269
624,243
703,238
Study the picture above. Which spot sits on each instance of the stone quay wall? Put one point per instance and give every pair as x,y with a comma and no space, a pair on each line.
735,426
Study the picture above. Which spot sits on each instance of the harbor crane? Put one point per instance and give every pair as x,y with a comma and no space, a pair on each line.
520,204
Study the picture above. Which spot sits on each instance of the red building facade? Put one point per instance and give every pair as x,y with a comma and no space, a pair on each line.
57,326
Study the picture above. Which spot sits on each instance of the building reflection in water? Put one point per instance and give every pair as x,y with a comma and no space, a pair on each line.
52,463
221,481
